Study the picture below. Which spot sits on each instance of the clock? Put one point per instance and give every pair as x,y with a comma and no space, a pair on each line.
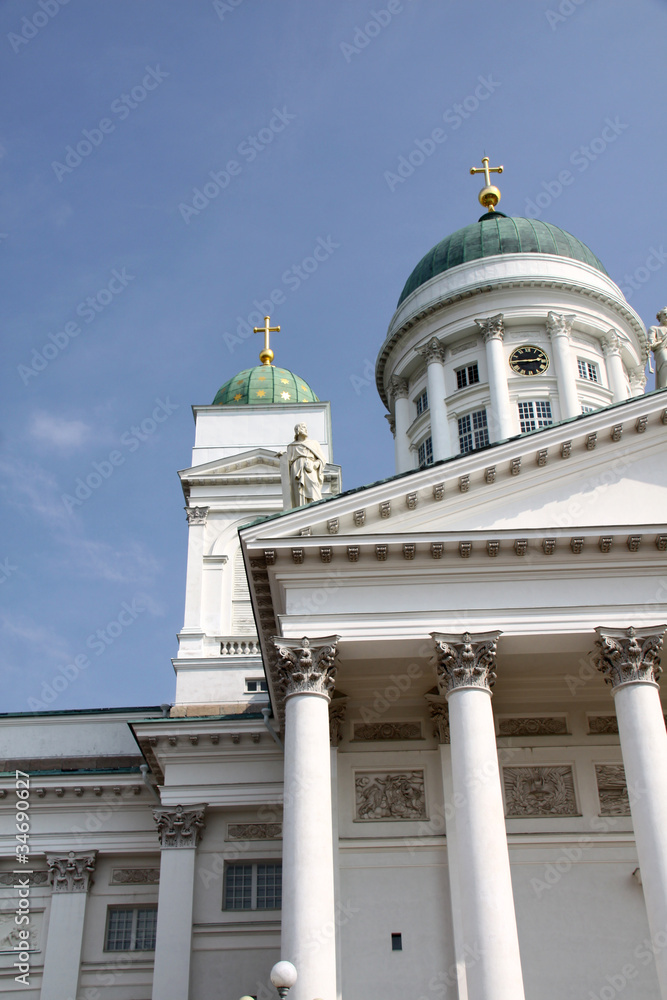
529,360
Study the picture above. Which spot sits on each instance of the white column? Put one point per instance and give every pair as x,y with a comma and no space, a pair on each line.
466,674
630,662
193,581
611,348
70,876
179,830
440,714
337,713
500,420
658,344
559,327
434,353
308,938
398,388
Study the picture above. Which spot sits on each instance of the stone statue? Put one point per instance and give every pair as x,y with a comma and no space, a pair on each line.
657,340
306,464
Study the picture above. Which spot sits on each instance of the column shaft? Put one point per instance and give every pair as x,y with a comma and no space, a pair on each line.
500,419
173,945
489,922
404,459
62,960
641,728
558,328
308,909
435,374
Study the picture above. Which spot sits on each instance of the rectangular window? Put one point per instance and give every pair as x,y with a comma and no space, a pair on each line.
534,415
421,402
255,684
467,376
586,409
426,453
588,370
473,431
131,929
253,886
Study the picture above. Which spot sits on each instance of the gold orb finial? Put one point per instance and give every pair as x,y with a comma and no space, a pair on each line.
266,356
490,195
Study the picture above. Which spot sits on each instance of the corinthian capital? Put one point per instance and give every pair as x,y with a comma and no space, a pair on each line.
180,826
307,666
631,654
493,327
196,515
611,344
71,872
466,660
560,324
398,387
434,351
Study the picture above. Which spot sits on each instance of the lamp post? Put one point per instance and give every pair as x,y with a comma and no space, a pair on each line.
283,976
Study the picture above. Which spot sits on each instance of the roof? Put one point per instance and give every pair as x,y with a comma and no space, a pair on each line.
265,384
495,234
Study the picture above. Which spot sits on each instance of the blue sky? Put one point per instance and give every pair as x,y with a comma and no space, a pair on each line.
124,289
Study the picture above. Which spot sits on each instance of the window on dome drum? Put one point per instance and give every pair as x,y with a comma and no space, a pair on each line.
421,402
425,452
586,409
131,929
473,431
255,684
535,415
253,886
467,376
588,370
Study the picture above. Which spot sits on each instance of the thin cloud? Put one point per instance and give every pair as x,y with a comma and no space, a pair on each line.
57,432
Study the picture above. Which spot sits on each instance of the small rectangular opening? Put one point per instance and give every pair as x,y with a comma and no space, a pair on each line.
397,942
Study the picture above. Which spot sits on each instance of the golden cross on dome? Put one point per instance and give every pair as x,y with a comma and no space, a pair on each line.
489,196
266,356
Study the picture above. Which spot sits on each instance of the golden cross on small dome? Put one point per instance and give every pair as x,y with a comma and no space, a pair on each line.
266,356
489,196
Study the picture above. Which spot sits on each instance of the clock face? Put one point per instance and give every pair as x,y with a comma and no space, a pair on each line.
529,360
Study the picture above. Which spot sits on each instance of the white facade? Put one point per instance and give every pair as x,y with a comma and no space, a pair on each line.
440,835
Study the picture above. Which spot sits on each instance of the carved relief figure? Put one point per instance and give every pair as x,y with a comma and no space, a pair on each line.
540,791
306,468
390,795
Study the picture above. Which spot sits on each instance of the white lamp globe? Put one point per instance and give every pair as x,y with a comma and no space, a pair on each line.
283,974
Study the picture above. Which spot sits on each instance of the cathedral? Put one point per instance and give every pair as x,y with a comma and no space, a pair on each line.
417,746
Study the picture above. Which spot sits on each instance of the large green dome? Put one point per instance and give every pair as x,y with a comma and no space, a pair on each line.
265,384
497,234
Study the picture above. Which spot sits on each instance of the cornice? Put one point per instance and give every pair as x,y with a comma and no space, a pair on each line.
569,446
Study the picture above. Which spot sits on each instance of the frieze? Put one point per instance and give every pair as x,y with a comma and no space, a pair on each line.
540,791
34,878
254,831
389,795
135,876
612,790
372,731
603,725
540,726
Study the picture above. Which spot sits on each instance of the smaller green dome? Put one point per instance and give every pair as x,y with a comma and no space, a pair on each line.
264,384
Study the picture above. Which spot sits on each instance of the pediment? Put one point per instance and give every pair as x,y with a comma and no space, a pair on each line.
257,461
605,468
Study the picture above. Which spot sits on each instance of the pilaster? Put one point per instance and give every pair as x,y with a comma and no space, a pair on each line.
179,830
70,876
